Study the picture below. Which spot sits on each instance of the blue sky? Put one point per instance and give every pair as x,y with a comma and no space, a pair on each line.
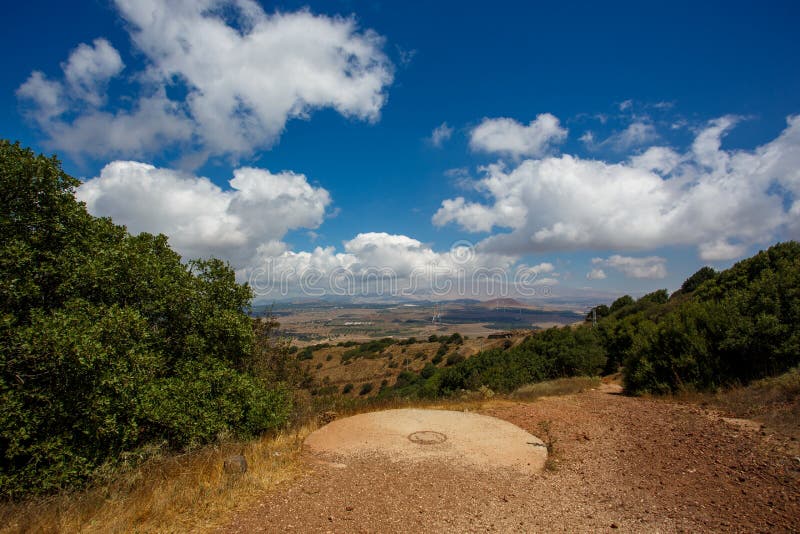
561,102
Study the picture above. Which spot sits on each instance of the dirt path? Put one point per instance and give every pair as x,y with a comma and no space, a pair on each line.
623,464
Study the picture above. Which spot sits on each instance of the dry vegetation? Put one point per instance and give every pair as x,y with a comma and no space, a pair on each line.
329,369
774,402
552,388
190,492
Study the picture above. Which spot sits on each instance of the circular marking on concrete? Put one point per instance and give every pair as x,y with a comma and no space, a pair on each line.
446,437
427,437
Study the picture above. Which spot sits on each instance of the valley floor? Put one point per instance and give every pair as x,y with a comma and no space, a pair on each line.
618,463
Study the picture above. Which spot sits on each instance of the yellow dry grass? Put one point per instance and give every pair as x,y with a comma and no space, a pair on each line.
773,401
559,386
184,493
191,493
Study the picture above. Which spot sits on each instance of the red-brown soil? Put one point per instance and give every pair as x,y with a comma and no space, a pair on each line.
618,463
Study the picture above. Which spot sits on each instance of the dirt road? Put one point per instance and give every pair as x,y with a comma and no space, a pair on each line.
619,463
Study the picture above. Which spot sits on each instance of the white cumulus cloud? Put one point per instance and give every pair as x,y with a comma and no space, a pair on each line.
718,200
89,68
200,218
596,274
243,73
652,267
636,134
396,265
440,134
511,138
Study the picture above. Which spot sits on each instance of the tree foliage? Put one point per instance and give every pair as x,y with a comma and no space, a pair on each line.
110,343
553,353
721,328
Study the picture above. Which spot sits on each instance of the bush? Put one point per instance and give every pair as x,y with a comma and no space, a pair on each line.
552,353
347,388
454,359
371,349
404,379
428,371
455,339
365,389
734,327
623,301
697,279
109,343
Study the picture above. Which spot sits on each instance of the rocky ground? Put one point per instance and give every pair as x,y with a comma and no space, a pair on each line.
618,463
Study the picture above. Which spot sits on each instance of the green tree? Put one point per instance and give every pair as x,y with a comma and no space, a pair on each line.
623,301
702,275
109,342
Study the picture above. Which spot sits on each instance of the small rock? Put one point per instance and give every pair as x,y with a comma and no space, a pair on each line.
235,464
614,525
348,508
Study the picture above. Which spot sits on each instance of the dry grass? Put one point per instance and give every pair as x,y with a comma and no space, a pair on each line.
181,493
191,493
774,402
553,388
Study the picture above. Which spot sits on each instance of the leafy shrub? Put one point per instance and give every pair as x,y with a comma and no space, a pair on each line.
736,326
697,279
365,389
370,349
454,359
552,353
347,388
623,301
428,371
404,379
109,343
455,339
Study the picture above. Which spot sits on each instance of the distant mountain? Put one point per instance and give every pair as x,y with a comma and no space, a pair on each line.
503,303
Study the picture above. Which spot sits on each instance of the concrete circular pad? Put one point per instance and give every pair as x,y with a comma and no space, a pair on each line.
459,438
